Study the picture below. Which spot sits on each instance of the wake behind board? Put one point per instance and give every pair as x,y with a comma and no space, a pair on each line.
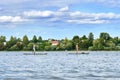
35,53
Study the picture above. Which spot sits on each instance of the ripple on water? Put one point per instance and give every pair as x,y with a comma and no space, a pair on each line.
53,77
13,78
97,66
99,76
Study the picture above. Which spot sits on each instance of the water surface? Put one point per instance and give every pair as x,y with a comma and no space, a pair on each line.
60,66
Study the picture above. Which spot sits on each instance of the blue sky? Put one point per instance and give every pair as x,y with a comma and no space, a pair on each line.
59,18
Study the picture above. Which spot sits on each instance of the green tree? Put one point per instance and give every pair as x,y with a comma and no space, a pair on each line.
84,37
83,43
62,46
100,46
90,39
115,40
69,45
2,39
65,44
105,36
34,39
25,40
39,39
47,48
11,42
41,47
75,39
1,46
30,46
19,45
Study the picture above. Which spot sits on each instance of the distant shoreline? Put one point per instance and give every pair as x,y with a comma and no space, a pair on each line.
61,51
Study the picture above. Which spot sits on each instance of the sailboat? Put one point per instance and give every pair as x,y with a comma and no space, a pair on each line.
35,53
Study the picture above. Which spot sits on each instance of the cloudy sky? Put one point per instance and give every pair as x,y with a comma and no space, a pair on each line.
59,18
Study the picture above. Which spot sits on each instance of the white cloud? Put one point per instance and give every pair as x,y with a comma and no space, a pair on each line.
77,17
107,15
79,14
64,9
11,19
81,17
87,21
49,16
38,13
62,15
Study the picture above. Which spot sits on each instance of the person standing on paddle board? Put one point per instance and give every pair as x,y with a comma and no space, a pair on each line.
34,48
77,48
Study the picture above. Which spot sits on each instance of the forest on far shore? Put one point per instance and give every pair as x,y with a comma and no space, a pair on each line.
104,42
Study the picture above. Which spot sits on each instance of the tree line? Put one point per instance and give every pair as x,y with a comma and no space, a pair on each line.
104,42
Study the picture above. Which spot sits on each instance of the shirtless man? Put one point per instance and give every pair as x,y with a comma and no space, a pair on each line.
77,48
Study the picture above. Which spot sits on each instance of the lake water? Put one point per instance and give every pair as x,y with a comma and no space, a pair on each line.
60,66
